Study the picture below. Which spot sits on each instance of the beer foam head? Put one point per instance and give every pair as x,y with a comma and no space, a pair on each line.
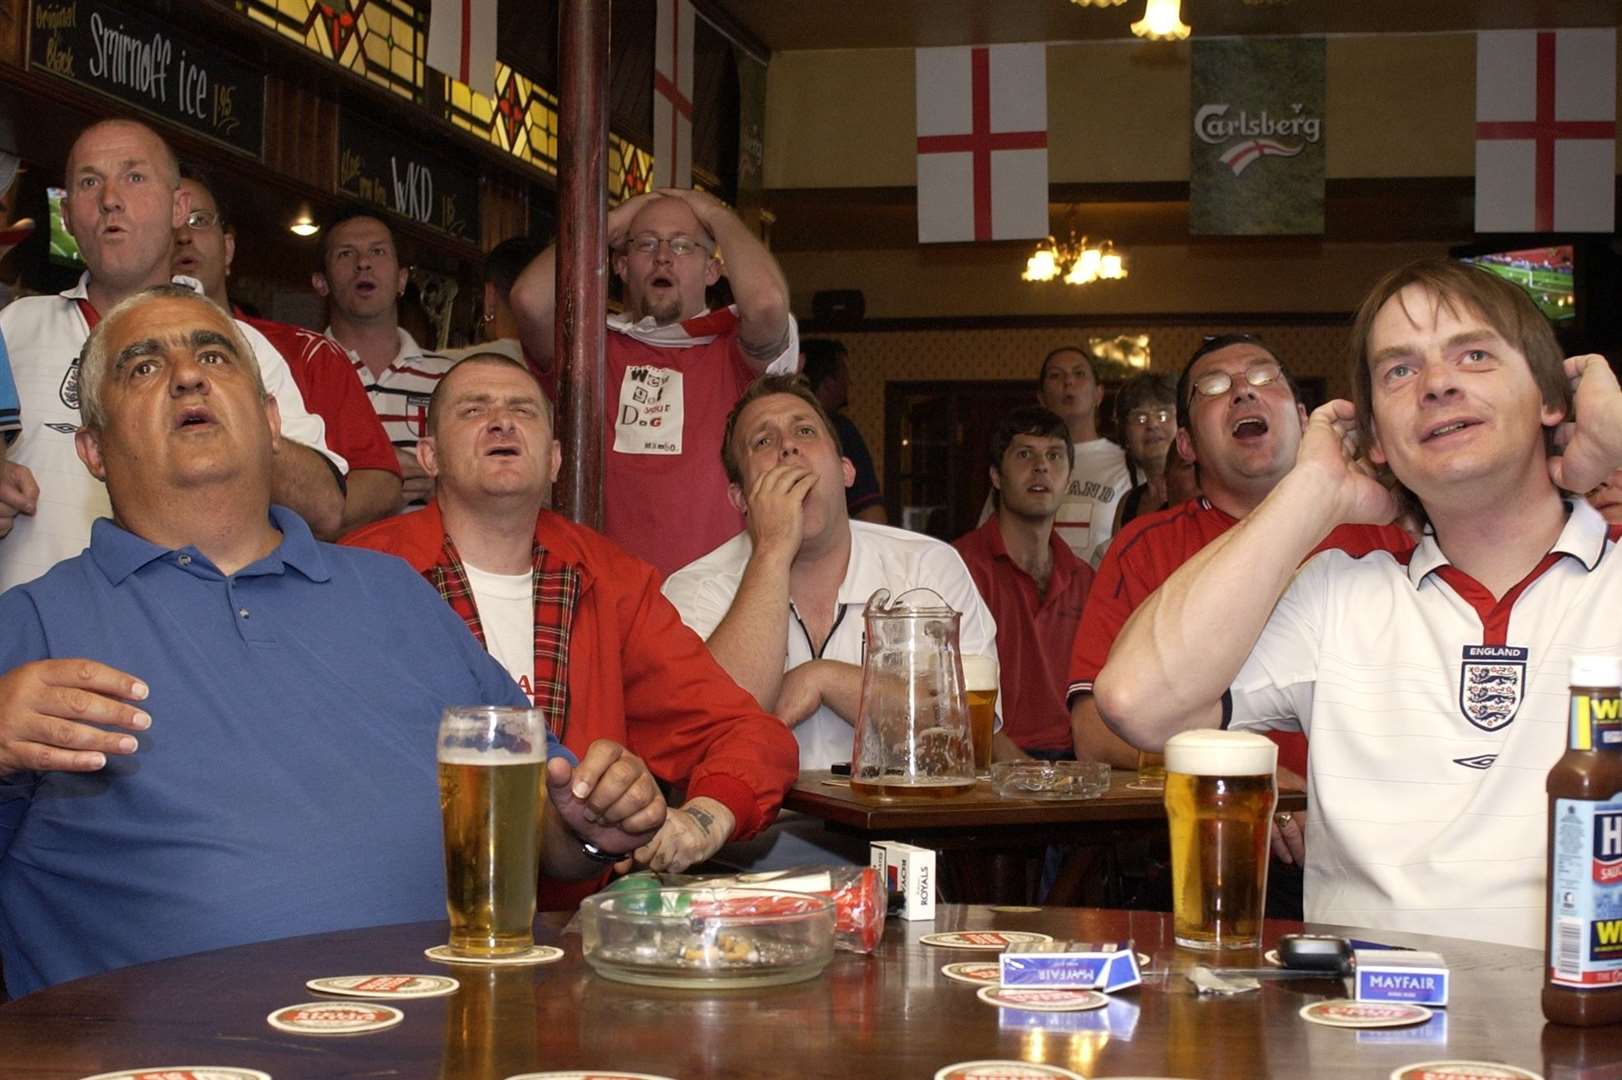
455,755
979,673
1210,752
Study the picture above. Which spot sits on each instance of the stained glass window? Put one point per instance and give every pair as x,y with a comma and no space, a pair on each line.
383,41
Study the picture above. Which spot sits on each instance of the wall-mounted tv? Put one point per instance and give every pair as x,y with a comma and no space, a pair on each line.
1548,274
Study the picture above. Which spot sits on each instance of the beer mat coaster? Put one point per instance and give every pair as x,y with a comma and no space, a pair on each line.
1014,909
984,939
1342,1012
385,986
538,954
1151,786
836,783
980,973
184,1072
1005,1070
1037,999
1462,1070
1143,961
594,1074
335,1018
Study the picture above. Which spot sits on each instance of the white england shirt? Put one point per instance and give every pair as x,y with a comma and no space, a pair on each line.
400,394
44,335
1434,715
880,558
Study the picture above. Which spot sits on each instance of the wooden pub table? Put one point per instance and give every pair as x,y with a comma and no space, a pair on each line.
891,1014
989,845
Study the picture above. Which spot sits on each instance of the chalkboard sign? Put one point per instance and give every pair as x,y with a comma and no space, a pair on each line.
144,62
379,168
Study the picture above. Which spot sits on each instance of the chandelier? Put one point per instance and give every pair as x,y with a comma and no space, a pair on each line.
1075,262
1162,21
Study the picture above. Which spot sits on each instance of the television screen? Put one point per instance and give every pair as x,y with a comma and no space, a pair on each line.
1545,273
64,249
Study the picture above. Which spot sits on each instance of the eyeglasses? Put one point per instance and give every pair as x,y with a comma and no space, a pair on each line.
680,246
204,219
1145,417
1216,383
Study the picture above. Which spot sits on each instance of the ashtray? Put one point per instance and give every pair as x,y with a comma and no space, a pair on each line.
700,938
1050,779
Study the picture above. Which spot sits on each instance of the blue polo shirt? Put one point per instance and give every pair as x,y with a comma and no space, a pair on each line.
11,417
287,784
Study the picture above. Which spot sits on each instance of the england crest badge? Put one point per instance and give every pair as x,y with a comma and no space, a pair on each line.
69,391
1492,682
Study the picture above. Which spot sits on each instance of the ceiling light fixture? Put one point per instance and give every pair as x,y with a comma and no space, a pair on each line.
1162,21
1075,262
304,224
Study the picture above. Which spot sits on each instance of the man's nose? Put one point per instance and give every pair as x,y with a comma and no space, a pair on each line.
187,376
1437,380
790,449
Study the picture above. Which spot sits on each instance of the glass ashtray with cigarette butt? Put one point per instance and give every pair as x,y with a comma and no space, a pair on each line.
700,938
1050,779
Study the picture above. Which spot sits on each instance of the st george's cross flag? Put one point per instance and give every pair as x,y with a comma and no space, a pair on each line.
462,42
1545,131
673,95
982,143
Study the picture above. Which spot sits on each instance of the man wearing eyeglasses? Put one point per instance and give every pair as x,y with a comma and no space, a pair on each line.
122,208
205,244
674,367
1240,422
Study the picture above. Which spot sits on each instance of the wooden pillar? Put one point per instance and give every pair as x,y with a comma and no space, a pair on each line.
582,273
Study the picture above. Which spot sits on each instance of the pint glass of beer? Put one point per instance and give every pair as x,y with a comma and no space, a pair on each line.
1219,804
491,762
1151,771
980,687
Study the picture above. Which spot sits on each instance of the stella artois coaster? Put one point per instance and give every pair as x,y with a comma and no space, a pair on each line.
980,973
1005,1070
1036,999
984,939
1462,1070
1341,1012
184,1072
595,1074
538,954
335,1018
385,986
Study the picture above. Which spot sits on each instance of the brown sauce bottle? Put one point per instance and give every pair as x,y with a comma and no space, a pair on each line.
1582,970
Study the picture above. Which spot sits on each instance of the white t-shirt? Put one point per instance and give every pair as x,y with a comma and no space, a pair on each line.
1434,715
44,335
880,558
506,604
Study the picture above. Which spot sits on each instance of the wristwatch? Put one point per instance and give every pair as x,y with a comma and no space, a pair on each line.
597,854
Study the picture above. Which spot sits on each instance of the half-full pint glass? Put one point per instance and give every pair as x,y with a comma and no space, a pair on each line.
1151,771
980,687
490,794
1219,803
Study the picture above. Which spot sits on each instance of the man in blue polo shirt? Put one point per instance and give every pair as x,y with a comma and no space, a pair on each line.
284,693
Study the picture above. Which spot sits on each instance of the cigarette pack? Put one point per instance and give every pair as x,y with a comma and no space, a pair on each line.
1072,965
909,872
1399,975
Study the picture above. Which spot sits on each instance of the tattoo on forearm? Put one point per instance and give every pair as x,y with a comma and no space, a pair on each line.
704,818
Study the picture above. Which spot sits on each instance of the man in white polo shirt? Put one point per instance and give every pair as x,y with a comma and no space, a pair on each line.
363,280
1433,686
122,208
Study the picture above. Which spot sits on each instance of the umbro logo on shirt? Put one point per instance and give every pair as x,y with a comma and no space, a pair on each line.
66,429
1481,761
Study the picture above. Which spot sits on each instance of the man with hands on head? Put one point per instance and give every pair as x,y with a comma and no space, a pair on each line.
780,604
673,367
579,623
213,728
122,207
1433,685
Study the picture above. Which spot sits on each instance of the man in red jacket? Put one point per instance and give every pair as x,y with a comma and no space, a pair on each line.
579,623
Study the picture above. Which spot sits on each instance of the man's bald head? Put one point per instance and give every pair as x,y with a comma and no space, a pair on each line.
164,157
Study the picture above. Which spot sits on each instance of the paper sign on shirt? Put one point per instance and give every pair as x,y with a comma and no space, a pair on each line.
649,420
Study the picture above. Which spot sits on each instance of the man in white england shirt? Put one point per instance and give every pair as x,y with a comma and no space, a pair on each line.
673,367
1428,802
122,207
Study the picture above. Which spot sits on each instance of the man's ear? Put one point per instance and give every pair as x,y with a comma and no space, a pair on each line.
1302,410
849,471
273,417
557,460
182,208
428,457
1553,415
402,276
712,270
230,251
318,282
87,442
619,262
1185,445
996,477
735,497
1374,450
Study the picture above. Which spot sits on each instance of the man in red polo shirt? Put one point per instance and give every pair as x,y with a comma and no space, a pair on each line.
205,244
674,367
1032,582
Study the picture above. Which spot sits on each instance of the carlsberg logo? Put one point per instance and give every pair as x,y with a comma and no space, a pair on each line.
1213,124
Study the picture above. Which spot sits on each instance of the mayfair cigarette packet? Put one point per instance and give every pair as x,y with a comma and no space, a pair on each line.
1419,978
1072,965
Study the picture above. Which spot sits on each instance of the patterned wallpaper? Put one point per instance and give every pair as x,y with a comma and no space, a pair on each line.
878,357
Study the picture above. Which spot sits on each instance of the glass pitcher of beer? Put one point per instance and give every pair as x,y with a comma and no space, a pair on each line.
912,730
